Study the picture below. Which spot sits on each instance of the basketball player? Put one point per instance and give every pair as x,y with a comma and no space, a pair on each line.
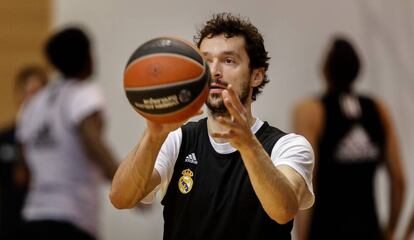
352,136
61,134
13,172
230,175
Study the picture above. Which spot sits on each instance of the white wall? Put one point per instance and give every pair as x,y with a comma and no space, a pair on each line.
295,32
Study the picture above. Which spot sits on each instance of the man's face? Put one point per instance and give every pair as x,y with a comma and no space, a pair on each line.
229,64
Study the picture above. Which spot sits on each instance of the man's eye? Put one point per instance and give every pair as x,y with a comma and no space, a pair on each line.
229,60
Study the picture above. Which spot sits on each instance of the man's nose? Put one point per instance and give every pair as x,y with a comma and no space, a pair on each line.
215,69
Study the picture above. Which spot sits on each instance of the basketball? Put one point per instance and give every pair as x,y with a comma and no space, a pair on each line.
166,80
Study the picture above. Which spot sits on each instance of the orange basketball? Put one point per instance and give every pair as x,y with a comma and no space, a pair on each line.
166,80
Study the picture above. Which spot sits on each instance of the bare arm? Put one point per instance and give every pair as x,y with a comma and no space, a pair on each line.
394,169
91,130
279,189
136,177
21,174
307,121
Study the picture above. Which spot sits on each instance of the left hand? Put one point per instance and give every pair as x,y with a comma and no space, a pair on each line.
239,134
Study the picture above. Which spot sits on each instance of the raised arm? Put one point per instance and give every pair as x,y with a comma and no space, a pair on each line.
91,134
279,189
136,177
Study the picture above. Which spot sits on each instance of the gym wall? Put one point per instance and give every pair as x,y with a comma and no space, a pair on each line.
24,27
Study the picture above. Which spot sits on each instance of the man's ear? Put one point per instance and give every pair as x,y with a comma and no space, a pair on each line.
257,77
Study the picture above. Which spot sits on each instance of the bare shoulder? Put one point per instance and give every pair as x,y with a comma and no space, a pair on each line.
308,108
382,107
308,118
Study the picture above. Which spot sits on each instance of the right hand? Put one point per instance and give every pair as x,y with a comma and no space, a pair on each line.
164,128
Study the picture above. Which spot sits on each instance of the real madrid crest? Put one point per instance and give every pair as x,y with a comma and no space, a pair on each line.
186,182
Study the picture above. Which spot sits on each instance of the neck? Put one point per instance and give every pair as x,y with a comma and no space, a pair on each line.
214,126
330,89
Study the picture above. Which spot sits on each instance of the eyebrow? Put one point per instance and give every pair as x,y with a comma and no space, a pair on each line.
232,53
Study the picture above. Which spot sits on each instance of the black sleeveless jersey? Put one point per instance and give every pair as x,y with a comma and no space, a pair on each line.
210,195
350,149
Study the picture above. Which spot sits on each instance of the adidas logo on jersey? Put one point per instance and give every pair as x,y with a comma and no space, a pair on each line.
191,158
357,146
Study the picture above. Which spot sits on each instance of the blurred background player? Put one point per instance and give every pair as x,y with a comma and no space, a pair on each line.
61,132
13,172
352,135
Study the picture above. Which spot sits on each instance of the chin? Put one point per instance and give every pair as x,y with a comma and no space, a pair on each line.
214,104
216,108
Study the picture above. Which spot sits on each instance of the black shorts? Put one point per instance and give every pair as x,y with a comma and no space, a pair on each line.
52,230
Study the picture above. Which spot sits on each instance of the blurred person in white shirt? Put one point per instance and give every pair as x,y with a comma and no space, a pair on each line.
61,132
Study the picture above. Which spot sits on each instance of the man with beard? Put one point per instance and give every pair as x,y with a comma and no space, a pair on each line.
230,175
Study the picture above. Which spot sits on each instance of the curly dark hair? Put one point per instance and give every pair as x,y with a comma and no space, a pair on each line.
230,25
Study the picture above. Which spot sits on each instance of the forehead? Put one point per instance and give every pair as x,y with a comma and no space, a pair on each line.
220,44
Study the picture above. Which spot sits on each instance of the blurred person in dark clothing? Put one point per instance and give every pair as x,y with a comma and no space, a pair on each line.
61,132
13,172
352,135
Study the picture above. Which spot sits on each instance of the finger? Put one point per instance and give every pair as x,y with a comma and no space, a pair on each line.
230,107
236,100
227,135
228,123
199,112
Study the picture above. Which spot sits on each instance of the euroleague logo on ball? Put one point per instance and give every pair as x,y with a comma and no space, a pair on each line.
158,103
184,96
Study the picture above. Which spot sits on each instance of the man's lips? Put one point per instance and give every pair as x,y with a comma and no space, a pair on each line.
217,88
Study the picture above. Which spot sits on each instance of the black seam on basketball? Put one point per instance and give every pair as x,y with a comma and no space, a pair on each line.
174,46
165,100
166,85
160,87
162,54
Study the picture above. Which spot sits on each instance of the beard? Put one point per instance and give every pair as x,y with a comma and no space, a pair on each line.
215,101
